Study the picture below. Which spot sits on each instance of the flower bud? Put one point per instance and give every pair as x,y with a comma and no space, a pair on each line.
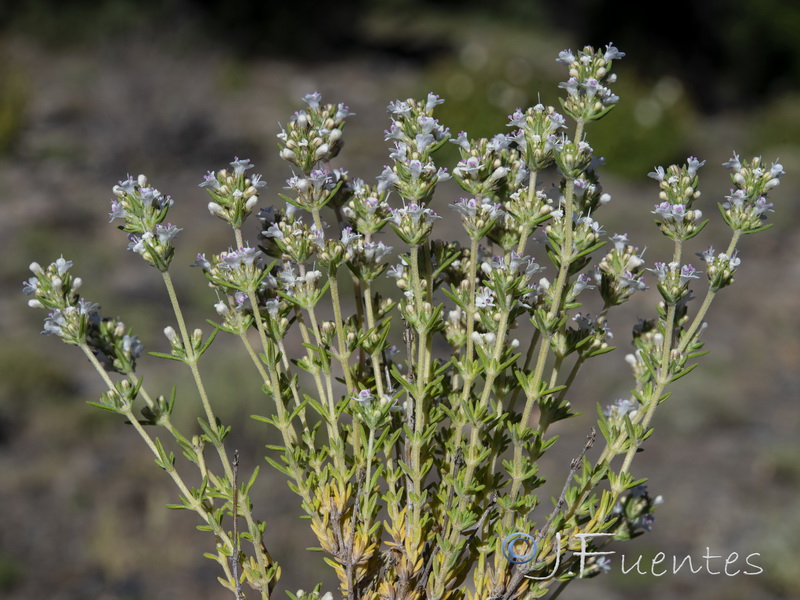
321,151
142,180
36,268
215,209
171,335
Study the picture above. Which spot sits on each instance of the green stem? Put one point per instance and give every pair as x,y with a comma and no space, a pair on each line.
473,273
710,294
191,360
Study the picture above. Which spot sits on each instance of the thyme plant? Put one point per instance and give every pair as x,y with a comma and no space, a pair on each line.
412,423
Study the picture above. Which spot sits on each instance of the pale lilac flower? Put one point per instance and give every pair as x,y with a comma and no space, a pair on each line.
707,255
462,140
273,231
620,240
692,165
62,265
400,152
376,251
612,53
117,211
633,281
210,180
517,119
761,206
566,57
313,99
242,300
342,112
620,408
387,179
499,142
132,345
201,262
273,306
54,323
257,182
432,101
591,86
397,271
240,166
658,174
572,85
31,286
582,283
399,107
363,397
484,298
166,233
688,272
348,237
733,163
423,141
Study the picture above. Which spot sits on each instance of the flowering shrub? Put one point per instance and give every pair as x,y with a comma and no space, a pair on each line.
414,447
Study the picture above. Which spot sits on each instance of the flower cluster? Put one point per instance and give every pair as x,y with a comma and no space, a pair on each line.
233,193
313,135
746,206
77,321
721,267
678,190
673,280
589,97
413,223
317,189
143,209
478,215
537,134
619,273
367,210
486,164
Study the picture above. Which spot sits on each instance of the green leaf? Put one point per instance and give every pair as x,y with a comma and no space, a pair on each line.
167,356
105,407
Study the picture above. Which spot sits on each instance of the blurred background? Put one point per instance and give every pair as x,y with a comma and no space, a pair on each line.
91,91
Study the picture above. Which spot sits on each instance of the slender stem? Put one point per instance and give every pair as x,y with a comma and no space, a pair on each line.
663,375
341,338
710,294
375,356
473,273
191,360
